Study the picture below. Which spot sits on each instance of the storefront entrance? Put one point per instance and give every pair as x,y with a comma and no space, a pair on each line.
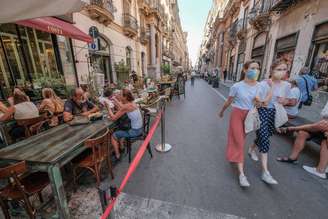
29,56
319,61
285,49
101,60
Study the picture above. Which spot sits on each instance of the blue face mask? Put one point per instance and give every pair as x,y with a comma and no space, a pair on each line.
251,74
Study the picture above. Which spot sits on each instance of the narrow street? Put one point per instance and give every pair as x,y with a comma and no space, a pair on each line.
195,173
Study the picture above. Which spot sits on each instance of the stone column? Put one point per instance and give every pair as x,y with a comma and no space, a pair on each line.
152,45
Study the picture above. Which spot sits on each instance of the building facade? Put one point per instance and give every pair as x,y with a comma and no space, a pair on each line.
266,30
127,36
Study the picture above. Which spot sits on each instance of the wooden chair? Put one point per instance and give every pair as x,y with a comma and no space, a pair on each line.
21,187
142,137
32,126
100,152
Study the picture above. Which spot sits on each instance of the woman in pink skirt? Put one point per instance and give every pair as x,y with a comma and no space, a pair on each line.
242,96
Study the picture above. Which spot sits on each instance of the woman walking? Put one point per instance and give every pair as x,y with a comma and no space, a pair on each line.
271,92
241,96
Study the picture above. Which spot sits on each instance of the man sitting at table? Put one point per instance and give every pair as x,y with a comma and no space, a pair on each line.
76,105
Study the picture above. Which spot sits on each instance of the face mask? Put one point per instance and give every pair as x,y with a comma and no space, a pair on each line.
279,74
251,74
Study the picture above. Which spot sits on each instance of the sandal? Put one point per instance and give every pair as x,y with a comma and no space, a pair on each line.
286,160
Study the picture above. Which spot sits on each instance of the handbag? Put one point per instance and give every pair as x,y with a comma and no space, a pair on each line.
308,101
252,121
281,116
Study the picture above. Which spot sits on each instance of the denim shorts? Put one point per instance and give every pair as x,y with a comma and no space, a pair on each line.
132,133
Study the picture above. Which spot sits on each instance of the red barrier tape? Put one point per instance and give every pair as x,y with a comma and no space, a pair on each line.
134,164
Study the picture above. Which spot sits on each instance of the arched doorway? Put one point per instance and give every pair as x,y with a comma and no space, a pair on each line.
100,58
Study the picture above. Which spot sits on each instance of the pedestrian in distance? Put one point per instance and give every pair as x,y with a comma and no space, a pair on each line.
271,92
225,74
241,97
192,79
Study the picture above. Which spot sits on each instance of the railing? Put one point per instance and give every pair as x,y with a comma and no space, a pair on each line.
130,22
233,30
144,34
106,4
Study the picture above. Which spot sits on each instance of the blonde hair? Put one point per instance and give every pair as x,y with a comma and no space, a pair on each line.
48,93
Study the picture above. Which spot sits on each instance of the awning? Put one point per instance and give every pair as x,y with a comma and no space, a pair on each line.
15,10
56,26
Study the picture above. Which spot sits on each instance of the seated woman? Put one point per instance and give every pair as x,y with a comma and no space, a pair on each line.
51,104
22,109
127,106
293,100
18,91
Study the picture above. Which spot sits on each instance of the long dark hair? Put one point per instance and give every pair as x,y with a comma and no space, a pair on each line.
127,95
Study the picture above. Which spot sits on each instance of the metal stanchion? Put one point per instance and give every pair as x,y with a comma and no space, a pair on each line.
163,147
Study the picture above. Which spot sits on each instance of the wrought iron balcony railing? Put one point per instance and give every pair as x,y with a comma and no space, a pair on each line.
130,24
106,4
144,35
102,11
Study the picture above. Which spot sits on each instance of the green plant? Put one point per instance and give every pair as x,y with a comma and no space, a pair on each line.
122,71
166,69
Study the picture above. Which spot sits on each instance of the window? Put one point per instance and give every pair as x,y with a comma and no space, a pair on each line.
128,51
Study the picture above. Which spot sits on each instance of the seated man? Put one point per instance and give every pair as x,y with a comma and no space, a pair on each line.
316,130
77,106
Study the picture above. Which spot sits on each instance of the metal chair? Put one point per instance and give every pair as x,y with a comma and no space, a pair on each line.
130,141
100,152
21,187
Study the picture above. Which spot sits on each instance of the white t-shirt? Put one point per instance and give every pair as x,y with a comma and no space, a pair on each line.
26,110
244,95
263,91
294,93
279,90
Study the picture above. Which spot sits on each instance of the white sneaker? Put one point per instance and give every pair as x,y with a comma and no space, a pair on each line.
252,154
243,182
266,177
314,171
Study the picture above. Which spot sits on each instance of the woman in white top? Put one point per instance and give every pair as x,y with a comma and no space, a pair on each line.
241,97
278,90
128,107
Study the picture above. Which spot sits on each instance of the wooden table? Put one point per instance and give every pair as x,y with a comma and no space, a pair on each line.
52,149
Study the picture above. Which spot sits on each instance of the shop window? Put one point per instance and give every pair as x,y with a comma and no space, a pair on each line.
285,49
67,61
319,63
128,52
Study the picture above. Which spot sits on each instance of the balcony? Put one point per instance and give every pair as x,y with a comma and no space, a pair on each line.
144,35
259,16
232,33
241,29
130,25
231,7
281,5
101,11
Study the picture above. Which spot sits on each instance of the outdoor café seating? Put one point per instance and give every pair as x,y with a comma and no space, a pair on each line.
130,141
100,153
32,126
21,187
